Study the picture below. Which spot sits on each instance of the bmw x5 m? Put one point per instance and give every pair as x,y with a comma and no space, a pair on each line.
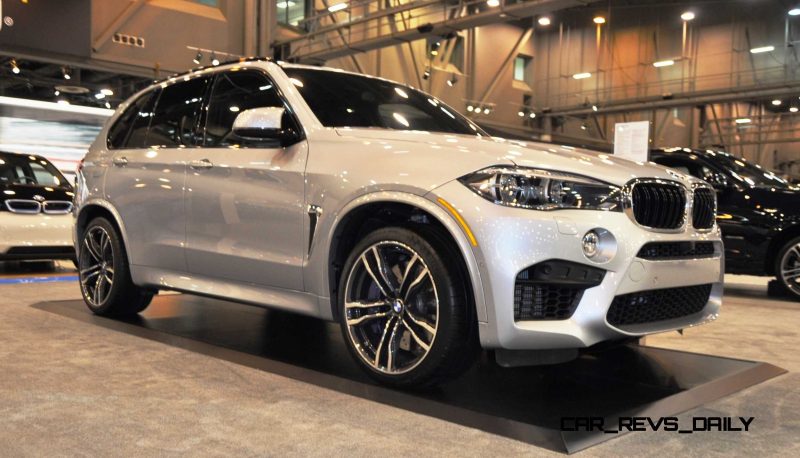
361,200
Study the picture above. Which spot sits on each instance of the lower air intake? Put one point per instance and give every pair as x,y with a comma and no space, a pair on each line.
658,305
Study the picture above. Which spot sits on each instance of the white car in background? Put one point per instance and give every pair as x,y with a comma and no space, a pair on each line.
362,200
35,207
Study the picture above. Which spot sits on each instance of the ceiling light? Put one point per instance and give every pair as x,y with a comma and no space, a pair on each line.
66,72
794,12
57,93
594,107
478,110
214,60
452,82
198,57
762,49
777,102
520,114
493,3
532,115
285,4
581,76
793,109
487,110
470,108
427,73
544,21
107,91
108,105
337,7
14,67
599,20
687,16
663,63
743,121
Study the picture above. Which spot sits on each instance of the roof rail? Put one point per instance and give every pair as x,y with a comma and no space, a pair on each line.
234,61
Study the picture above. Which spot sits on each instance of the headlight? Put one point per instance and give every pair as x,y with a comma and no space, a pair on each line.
542,189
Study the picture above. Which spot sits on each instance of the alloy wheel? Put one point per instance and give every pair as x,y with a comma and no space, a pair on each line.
96,266
790,269
391,307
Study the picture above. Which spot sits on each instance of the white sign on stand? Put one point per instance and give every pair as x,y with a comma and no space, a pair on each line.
632,140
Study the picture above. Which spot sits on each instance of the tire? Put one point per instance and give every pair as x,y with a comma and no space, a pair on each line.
787,268
104,274
423,329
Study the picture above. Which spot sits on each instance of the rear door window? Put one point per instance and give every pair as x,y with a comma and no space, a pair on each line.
175,118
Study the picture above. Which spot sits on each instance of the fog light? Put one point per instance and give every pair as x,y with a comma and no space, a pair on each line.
599,245
590,244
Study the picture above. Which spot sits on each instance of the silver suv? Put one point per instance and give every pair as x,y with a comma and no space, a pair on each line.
358,199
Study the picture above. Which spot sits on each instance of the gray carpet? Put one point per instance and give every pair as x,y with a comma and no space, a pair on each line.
68,388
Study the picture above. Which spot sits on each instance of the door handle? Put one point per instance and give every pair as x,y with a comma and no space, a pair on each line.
120,161
202,164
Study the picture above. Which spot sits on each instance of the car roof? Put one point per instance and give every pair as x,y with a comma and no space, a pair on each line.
10,154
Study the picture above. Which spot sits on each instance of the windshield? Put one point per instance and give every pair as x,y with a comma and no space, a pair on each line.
30,170
749,174
341,99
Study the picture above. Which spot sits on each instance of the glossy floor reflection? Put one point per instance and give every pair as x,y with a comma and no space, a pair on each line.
524,403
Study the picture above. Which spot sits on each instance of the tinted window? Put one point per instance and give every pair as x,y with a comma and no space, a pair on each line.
29,170
748,174
233,93
175,117
118,133
341,99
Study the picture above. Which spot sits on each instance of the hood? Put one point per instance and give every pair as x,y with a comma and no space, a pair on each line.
458,155
28,192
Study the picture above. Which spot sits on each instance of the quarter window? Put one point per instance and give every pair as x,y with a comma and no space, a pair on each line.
136,115
137,138
175,118
233,93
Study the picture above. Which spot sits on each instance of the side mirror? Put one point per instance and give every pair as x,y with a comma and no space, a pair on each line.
718,181
260,123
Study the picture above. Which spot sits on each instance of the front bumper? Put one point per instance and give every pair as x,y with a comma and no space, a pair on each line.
40,236
510,240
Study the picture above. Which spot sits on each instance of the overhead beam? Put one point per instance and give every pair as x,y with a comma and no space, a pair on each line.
741,93
491,16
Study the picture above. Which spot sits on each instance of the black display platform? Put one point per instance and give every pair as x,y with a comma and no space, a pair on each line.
526,404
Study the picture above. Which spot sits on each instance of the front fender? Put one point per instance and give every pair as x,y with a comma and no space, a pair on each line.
319,265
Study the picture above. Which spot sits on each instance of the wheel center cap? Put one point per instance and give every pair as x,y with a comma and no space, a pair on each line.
397,306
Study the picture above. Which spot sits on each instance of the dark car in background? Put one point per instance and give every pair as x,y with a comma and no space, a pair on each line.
35,210
758,213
